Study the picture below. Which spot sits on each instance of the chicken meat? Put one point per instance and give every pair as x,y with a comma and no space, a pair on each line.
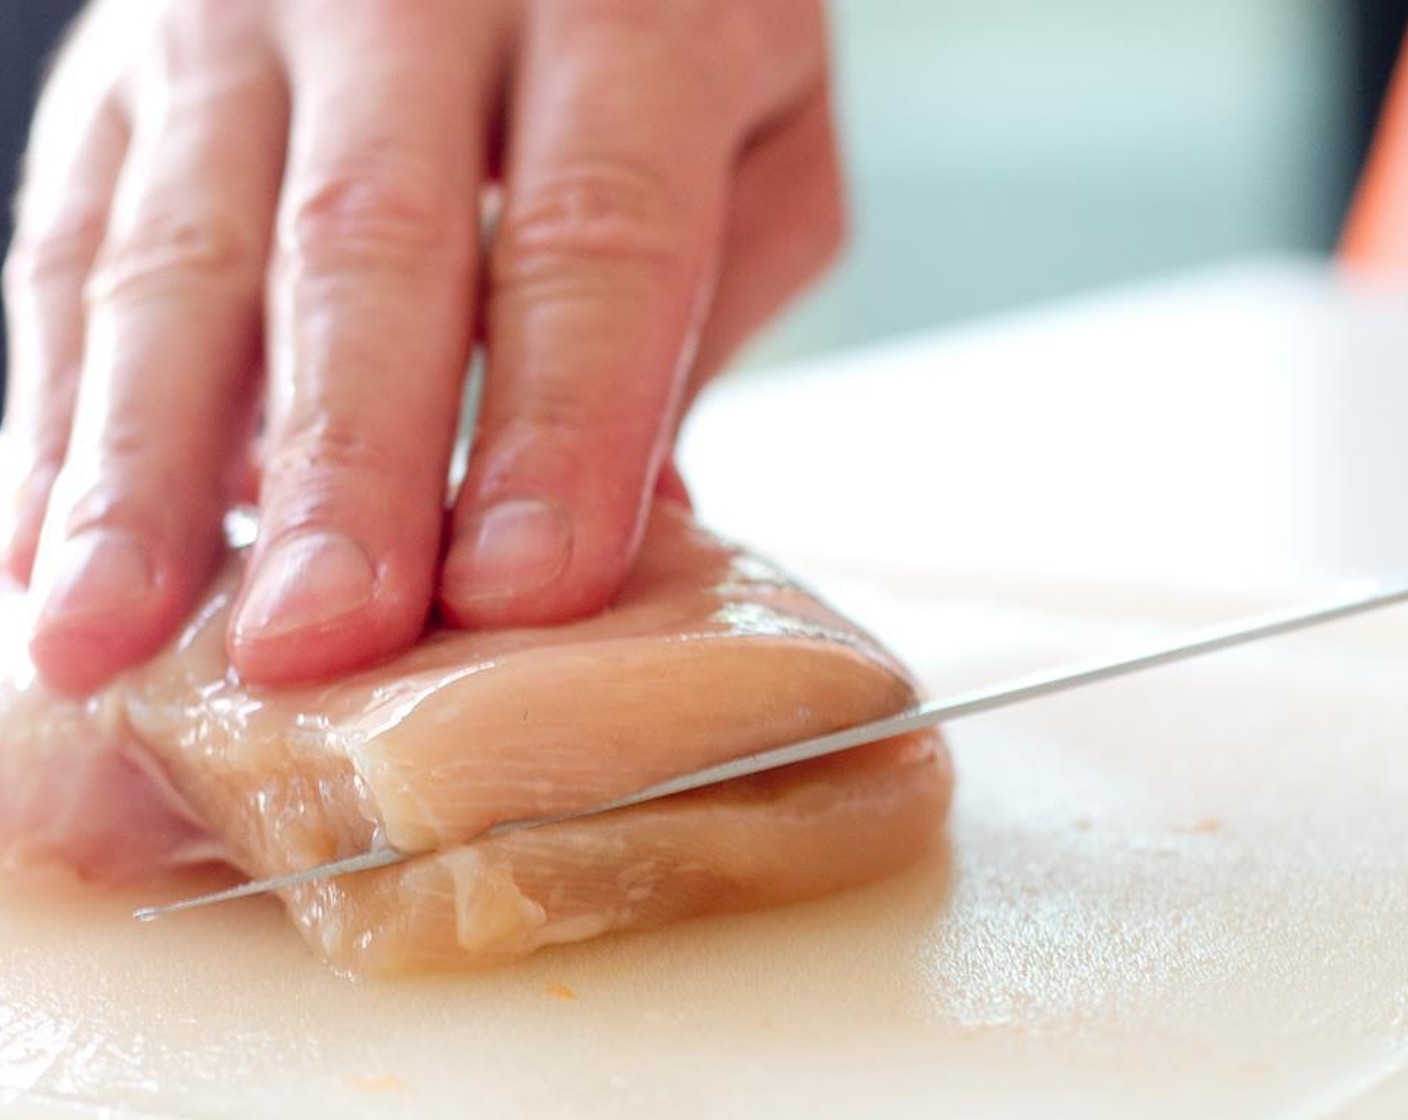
708,653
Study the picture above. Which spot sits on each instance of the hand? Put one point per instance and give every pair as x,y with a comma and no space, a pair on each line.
221,191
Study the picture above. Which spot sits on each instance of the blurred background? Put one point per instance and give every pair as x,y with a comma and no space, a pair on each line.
1009,151
1005,152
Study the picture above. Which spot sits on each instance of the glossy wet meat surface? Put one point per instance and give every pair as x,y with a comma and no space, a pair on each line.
708,653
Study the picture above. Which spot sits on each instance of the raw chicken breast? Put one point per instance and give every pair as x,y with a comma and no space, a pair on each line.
77,788
707,654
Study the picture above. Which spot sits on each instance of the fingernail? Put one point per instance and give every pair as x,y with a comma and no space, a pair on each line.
511,548
97,572
306,581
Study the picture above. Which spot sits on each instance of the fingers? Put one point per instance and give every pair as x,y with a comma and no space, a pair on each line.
76,152
625,134
786,223
599,275
371,315
171,338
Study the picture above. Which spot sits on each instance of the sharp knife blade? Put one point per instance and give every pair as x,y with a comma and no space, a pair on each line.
912,719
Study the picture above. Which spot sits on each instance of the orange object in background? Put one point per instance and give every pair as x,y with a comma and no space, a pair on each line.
1375,237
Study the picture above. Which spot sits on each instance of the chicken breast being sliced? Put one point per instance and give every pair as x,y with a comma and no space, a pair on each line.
78,789
708,653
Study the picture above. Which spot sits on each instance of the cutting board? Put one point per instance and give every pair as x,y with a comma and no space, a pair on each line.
1182,894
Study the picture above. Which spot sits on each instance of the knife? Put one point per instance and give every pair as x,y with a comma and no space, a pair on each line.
912,719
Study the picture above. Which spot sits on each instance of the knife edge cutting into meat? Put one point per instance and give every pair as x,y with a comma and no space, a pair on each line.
923,715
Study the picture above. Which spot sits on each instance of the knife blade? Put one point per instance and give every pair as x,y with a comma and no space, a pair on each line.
924,715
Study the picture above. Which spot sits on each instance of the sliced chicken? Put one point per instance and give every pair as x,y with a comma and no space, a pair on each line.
708,653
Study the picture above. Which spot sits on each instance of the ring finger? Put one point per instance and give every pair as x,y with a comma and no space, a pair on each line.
80,138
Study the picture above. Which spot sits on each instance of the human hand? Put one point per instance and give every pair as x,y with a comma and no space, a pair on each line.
218,191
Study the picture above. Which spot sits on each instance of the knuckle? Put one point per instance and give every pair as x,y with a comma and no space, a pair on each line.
170,248
564,416
321,463
127,477
63,252
30,472
147,503
358,218
552,415
588,216
44,449
126,443
38,421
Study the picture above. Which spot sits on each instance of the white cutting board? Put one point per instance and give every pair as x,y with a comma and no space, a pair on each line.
1184,894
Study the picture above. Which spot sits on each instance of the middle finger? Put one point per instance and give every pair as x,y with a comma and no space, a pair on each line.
371,318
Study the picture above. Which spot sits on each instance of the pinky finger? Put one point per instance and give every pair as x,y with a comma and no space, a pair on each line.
63,214
786,223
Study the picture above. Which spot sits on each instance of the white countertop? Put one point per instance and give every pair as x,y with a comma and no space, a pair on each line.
1246,427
